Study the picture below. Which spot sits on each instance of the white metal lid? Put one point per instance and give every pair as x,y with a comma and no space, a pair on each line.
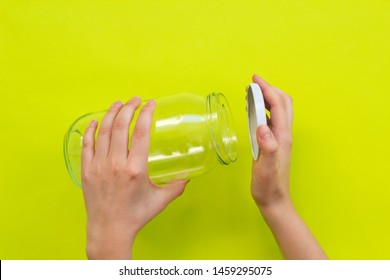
256,115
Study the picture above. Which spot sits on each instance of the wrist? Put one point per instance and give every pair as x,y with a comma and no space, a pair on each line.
112,243
109,249
277,210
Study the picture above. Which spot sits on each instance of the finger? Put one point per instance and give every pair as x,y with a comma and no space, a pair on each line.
288,105
140,140
267,142
277,101
104,134
120,130
268,91
88,151
173,190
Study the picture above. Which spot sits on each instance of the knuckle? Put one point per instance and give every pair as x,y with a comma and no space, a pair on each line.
115,166
86,142
272,151
119,123
88,174
139,132
95,170
92,171
105,130
133,173
85,177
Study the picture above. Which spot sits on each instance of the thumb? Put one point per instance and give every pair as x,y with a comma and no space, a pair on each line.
266,140
173,190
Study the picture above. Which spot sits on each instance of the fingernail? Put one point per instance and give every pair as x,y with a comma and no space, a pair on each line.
137,98
117,104
151,102
265,132
134,100
93,123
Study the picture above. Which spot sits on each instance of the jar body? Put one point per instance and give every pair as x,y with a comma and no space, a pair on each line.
182,143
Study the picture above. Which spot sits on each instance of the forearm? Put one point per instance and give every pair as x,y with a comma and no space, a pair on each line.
294,238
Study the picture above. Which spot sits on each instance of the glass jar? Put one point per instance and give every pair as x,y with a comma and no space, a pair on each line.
190,135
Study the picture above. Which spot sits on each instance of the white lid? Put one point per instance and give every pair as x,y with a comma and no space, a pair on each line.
256,115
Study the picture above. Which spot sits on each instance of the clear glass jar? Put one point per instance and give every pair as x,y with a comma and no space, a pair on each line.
190,135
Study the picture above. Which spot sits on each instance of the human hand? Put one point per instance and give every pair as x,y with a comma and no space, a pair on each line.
271,179
119,196
271,172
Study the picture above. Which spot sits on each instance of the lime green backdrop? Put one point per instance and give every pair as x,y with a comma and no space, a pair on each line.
60,59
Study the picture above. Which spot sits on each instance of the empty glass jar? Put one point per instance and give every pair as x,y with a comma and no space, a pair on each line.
190,135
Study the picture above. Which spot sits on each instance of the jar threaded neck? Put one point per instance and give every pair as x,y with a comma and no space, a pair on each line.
220,121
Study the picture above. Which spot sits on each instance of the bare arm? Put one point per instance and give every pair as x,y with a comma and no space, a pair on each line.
271,179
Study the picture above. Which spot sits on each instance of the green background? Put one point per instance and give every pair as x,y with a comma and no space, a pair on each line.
61,59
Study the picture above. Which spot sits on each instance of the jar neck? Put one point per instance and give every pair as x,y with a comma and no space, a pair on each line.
220,121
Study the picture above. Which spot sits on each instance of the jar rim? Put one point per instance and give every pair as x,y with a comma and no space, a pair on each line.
222,130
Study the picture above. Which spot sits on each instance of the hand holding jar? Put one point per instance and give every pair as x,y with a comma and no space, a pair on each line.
119,196
184,136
